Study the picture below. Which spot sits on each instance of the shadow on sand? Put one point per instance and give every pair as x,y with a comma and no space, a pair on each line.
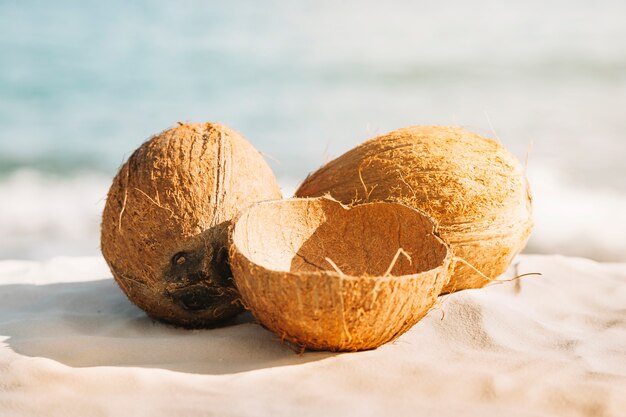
84,324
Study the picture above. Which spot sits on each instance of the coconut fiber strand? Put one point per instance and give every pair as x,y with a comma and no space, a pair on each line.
325,276
164,227
472,186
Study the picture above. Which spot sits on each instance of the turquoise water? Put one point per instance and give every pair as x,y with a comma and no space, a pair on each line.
84,83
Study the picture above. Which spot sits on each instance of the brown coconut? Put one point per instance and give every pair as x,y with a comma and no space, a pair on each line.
328,277
164,227
472,186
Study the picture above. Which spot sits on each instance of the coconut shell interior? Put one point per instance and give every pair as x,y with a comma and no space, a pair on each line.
325,276
312,236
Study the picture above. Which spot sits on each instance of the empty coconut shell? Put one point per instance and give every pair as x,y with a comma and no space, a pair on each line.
472,186
165,223
328,277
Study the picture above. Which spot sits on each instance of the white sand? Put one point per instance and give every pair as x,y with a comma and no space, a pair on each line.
72,345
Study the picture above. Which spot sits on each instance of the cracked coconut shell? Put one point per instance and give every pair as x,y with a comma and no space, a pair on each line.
328,277
472,186
165,223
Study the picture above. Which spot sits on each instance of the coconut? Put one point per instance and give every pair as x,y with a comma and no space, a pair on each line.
472,186
165,223
327,277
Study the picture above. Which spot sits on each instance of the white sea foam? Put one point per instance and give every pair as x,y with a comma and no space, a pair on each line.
42,216
576,220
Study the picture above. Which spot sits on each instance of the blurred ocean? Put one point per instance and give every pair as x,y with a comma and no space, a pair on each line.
84,83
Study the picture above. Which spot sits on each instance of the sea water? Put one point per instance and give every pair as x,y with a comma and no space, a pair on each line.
83,83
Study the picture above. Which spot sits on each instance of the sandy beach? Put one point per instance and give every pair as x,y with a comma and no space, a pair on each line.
71,344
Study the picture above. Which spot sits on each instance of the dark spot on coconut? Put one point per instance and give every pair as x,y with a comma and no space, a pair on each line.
197,297
222,267
199,279
196,277
185,267
179,258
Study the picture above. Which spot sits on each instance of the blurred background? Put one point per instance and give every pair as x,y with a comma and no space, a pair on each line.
83,83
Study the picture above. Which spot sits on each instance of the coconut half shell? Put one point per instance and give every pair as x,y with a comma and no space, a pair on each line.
472,186
165,223
328,277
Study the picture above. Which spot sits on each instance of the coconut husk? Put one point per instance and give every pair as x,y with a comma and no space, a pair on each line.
325,276
472,186
164,226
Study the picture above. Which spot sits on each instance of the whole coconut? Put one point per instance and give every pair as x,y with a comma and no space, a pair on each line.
165,223
472,186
